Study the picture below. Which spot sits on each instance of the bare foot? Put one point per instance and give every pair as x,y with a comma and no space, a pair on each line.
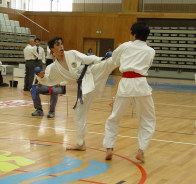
109,154
77,147
140,156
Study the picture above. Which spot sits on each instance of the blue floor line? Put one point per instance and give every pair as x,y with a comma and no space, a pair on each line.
173,87
95,168
66,165
164,86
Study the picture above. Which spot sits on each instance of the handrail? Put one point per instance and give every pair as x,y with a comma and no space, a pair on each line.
32,21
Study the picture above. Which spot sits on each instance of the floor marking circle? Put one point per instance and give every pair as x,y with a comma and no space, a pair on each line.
143,172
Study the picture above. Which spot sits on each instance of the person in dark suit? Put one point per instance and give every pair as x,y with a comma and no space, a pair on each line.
2,84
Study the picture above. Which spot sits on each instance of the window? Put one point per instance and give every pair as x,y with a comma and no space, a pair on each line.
49,5
62,5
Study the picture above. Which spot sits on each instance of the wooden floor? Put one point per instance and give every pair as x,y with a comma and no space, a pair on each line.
33,149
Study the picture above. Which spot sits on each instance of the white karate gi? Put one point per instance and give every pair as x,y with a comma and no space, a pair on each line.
92,84
136,57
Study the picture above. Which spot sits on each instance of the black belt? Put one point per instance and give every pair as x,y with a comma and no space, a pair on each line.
31,60
79,81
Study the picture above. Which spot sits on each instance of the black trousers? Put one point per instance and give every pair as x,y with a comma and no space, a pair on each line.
29,73
1,78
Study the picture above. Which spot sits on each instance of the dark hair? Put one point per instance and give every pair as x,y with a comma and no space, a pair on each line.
110,49
141,30
90,50
37,39
53,41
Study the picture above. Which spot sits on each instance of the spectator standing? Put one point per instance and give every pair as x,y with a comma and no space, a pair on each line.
2,84
49,59
31,61
40,51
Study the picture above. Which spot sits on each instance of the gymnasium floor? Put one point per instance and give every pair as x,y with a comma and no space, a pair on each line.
33,149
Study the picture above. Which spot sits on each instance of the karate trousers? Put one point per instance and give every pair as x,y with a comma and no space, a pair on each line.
145,112
100,72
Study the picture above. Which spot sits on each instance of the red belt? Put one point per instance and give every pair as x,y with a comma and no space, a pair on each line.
50,90
132,75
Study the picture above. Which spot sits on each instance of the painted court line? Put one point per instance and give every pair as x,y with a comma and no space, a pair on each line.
100,133
110,99
142,171
25,176
25,142
192,106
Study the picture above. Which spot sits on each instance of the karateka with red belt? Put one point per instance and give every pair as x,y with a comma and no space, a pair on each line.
135,59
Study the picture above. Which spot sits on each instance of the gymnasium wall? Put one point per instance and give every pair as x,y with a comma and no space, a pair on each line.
97,5
73,27
169,6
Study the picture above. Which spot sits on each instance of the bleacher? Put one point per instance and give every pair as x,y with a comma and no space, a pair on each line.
175,52
13,39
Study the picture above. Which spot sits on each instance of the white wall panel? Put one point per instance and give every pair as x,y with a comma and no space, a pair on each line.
169,1
98,1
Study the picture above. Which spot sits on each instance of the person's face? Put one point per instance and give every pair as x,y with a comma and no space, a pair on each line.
37,43
53,56
32,43
58,49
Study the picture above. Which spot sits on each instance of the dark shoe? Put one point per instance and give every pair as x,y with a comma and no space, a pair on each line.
26,90
50,115
38,113
4,85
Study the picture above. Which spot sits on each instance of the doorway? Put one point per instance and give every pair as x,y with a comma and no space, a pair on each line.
99,46
91,43
105,44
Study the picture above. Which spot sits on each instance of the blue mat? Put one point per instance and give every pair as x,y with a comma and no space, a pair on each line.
111,82
164,86
175,87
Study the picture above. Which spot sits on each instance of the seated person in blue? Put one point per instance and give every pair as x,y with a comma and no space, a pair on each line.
53,91
110,49
90,52
107,55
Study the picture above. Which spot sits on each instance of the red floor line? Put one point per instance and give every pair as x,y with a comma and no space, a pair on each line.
143,172
110,104
52,175
24,93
